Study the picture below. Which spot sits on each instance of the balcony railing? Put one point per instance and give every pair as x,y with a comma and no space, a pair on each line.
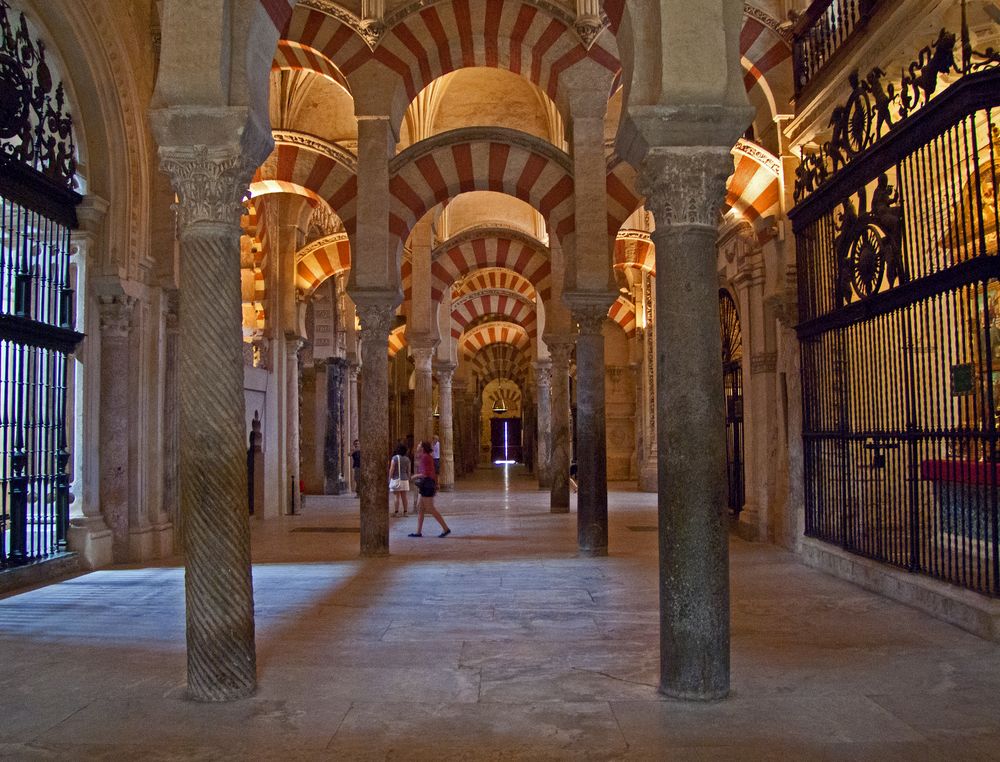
822,30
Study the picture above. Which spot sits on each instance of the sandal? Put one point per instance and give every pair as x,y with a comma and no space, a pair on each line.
414,534
445,533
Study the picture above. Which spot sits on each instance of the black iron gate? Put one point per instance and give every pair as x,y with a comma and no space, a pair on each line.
732,376
899,298
37,211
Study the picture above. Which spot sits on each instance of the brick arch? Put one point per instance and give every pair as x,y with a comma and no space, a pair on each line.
498,361
622,312
493,159
481,248
321,168
634,248
534,40
754,191
496,278
506,305
295,56
397,341
766,55
496,332
320,260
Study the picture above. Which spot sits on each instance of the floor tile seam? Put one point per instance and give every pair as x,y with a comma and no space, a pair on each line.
333,736
67,718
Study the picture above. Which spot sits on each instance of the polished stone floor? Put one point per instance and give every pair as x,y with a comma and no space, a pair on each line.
495,643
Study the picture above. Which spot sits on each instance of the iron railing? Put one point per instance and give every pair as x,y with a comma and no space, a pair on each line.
37,210
732,381
821,31
899,298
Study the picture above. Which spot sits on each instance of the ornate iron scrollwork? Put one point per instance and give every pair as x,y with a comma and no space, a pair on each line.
875,106
35,128
869,243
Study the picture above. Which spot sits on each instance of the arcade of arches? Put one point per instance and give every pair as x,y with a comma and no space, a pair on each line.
564,234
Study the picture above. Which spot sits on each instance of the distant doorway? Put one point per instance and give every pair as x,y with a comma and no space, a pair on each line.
505,440
732,376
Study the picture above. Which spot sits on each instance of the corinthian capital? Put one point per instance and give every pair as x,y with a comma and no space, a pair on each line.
211,184
376,320
685,185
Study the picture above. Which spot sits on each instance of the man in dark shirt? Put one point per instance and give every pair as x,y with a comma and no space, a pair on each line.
356,465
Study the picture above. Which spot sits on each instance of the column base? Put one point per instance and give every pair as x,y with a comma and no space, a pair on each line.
592,552
648,477
90,538
446,488
375,553
150,542
748,526
559,509
234,694
704,698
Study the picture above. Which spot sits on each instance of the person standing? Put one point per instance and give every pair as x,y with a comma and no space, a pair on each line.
399,479
427,484
356,465
436,454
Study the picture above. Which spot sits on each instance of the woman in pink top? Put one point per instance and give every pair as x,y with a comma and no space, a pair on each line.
428,488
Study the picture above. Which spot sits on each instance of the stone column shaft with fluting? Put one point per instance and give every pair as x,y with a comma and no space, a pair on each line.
210,186
543,385
560,350
591,450
376,320
684,189
446,422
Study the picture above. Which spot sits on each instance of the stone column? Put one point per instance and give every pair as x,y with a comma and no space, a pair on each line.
210,185
376,320
591,445
353,370
560,349
423,393
293,344
116,314
445,373
171,492
336,371
543,385
684,189
649,462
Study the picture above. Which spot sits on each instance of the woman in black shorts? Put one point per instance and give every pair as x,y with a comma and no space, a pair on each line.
427,484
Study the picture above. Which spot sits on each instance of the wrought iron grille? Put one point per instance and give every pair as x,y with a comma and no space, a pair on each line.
732,377
899,297
37,210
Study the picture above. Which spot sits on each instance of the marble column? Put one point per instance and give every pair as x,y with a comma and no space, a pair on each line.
171,497
560,350
423,393
543,385
684,189
353,371
210,186
649,463
591,445
117,313
376,321
333,441
293,344
446,422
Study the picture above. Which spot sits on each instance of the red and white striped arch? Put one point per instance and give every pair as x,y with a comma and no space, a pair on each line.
622,312
500,361
260,188
440,37
623,198
754,191
324,170
495,278
320,260
498,332
767,62
481,159
491,248
295,56
634,248
397,340
506,305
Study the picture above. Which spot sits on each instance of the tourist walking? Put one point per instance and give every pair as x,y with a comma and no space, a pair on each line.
427,484
436,454
399,479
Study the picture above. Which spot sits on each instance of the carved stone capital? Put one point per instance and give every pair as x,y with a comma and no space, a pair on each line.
685,186
211,184
763,362
445,372
422,358
117,313
376,320
561,350
543,375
